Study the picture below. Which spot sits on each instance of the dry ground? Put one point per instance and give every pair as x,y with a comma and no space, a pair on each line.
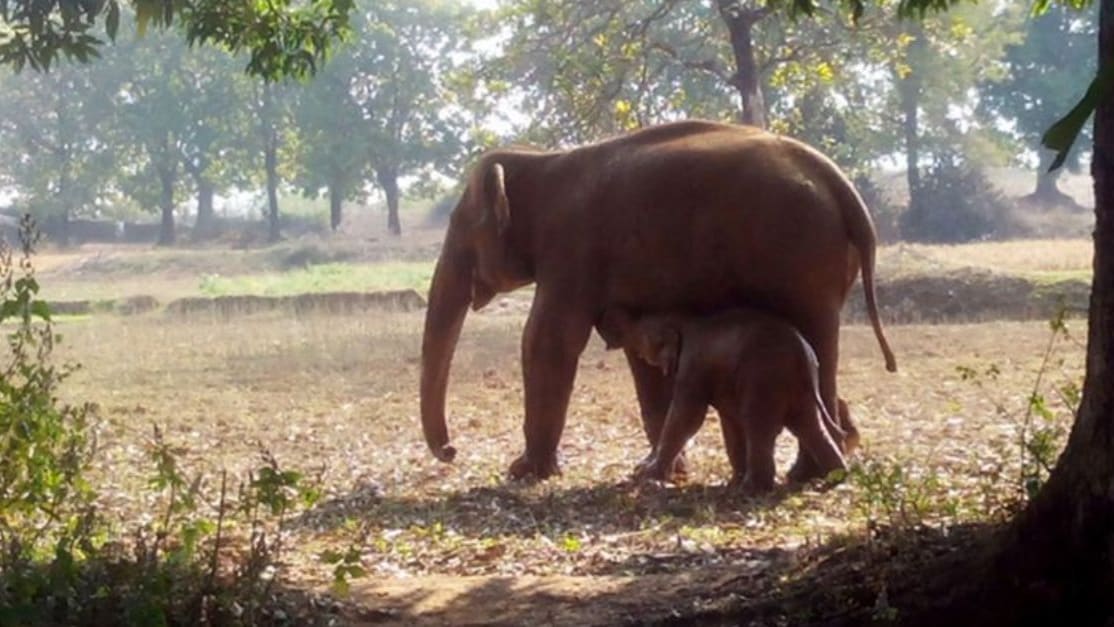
457,543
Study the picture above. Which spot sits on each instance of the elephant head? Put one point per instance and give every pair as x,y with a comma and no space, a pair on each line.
480,257
656,338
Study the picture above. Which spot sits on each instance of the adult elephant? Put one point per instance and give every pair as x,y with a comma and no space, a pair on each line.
691,216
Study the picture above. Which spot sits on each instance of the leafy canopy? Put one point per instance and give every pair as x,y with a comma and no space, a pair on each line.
281,37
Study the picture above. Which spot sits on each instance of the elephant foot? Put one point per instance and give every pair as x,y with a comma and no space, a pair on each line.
525,467
680,470
652,469
750,487
804,469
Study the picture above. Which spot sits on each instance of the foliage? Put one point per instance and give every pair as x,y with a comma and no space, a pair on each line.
60,563
60,161
956,204
1041,421
46,505
1047,71
282,38
892,492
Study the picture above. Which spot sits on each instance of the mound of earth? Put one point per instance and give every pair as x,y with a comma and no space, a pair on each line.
969,295
301,304
129,306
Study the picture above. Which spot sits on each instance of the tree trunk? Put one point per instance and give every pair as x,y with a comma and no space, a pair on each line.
271,158
740,22
909,91
1057,564
166,205
1047,194
64,201
336,196
204,228
388,180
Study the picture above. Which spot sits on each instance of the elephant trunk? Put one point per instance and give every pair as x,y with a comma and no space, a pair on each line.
449,297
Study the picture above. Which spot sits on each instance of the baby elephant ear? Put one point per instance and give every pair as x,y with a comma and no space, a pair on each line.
669,352
613,326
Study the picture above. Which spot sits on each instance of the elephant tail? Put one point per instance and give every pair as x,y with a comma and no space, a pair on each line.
861,231
814,382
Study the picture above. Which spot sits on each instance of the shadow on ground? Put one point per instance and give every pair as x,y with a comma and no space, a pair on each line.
525,510
890,577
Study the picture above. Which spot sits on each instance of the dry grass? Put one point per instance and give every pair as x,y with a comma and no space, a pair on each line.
1029,258
340,393
107,272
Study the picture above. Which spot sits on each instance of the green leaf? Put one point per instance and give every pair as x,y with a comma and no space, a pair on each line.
1062,135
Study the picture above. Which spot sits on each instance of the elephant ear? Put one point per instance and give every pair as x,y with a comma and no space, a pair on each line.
497,203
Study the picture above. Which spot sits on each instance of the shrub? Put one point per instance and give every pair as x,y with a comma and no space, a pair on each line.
59,563
956,203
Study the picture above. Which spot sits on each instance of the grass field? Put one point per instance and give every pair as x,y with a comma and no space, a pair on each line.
384,264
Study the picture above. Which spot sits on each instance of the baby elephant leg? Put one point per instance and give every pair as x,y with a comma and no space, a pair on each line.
735,441
761,427
686,415
809,428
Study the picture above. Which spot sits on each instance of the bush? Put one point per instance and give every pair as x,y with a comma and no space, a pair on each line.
956,203
59,562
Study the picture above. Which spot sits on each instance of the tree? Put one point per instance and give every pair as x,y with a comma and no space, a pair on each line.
333,148
281,37
271,111
216,126
152,126
408,52
53,128
1046,73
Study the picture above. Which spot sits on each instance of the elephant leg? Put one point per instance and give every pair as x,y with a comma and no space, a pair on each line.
761,429
686,415
734,439
814,437
655,392
824,339
552,343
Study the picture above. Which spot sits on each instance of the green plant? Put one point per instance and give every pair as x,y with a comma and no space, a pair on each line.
888,491
1040,428
46,505
59,563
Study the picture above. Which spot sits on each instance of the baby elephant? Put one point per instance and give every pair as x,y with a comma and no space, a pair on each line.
756,370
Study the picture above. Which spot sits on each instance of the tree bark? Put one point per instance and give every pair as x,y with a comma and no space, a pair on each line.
336,197
388,180
740,22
